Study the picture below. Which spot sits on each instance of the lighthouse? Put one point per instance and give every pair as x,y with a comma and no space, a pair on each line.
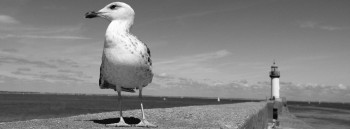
275,82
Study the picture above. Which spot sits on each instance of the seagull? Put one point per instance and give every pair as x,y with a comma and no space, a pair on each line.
126,61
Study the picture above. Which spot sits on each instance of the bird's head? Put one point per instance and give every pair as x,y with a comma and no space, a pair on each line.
113,11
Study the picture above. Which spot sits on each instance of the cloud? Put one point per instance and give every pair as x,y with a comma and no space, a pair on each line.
197,58
314,92
10,50
201,13
61,76
317,25
24,31
65,62
24,69
179,86
342,87
48,66
74,73
34,69
5,19
19,72
164,76
192,65
22,61
43,37
181,17
8,83
209,56
69,71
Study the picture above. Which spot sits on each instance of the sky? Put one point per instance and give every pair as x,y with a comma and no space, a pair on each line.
199,48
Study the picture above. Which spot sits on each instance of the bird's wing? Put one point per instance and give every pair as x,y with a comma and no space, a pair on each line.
149,62
146,55
101,80
149,56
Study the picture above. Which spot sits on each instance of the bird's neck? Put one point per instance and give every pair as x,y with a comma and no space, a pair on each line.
119,27
117,31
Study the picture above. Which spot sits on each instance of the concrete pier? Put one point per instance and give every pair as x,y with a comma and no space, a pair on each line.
251,115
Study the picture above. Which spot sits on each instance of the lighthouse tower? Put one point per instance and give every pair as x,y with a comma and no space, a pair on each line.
275,81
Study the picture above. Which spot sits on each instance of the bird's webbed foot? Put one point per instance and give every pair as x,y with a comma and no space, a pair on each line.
145,123
121,123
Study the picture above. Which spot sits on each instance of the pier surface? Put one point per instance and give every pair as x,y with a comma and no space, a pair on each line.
225,116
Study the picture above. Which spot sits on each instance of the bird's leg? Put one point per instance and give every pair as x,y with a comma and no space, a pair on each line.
144,122
121,122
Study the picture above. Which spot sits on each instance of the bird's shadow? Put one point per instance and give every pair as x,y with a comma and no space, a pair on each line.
128,120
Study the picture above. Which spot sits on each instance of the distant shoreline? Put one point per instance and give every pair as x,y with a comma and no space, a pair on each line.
91,94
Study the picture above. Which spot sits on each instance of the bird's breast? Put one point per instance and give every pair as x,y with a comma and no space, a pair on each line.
120,56
121,67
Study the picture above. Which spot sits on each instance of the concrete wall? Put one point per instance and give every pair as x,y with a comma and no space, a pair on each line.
251,115
258,120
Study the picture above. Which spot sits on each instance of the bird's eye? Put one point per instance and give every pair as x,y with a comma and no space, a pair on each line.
113,6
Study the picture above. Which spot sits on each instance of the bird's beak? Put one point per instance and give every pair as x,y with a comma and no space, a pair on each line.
92,14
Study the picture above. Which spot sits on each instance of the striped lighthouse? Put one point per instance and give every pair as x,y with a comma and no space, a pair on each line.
275,81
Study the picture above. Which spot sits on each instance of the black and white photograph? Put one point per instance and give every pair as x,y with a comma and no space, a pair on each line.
175,64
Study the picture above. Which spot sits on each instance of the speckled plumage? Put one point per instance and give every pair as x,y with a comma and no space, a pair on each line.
126,62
